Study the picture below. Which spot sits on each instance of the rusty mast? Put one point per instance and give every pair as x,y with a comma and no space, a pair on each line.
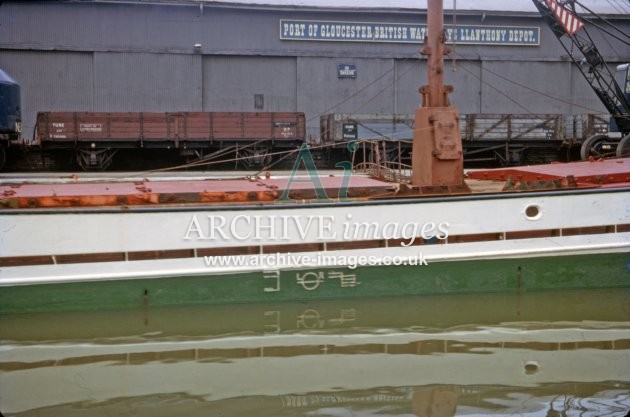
437,157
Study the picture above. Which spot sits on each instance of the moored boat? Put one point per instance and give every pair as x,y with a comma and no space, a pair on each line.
85,245
124,255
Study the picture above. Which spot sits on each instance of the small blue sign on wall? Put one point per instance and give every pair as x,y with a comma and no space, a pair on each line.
346,71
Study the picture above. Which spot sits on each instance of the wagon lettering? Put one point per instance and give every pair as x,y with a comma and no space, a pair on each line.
91,127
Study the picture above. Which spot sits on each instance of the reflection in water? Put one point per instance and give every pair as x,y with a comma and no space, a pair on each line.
584,400
540,354
434,402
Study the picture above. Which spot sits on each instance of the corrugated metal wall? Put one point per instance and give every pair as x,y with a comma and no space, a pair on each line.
467,79
147,82
231,82
49,80
552,79
92,56
320,91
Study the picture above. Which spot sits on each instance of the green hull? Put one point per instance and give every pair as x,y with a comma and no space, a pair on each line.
461,277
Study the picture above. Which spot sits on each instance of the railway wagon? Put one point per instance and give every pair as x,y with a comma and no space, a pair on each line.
95,138
500,139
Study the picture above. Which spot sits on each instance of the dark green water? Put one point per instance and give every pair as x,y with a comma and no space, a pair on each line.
532,354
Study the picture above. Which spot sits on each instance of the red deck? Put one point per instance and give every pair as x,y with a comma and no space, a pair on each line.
26,195
608,173
589,173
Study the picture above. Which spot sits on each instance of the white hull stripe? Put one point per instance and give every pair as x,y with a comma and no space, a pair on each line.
80,258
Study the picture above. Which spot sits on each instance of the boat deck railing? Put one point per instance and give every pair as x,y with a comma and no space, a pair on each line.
392,171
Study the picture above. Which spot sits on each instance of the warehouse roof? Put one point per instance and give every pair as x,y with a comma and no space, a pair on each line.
607,7
597,6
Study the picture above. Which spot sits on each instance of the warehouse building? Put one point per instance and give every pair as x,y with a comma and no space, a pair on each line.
317,56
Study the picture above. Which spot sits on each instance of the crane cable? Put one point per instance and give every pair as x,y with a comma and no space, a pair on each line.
609,23
454,59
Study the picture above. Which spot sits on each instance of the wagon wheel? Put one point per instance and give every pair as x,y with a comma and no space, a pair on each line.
597,146
95,159
623,148
251,158
3,157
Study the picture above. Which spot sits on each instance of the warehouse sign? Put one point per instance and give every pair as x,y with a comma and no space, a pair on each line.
346,71
309,30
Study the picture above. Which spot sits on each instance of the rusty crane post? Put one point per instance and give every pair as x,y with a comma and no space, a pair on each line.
437,159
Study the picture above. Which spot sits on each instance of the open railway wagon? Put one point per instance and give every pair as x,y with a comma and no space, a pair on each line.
94,140
488,139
